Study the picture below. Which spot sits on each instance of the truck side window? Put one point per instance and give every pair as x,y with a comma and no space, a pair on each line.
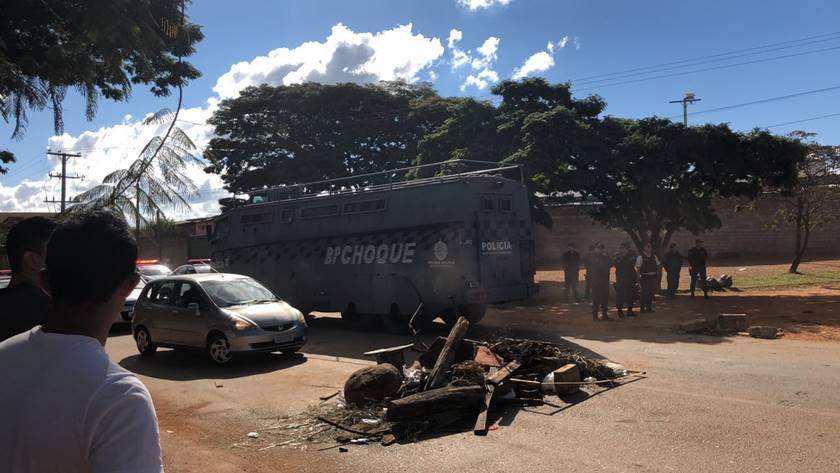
287,215
486,204
504,205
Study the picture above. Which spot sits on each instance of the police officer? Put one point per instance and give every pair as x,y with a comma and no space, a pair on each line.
571,270
587,258
697,258
598,274
625,280
647,268
672,261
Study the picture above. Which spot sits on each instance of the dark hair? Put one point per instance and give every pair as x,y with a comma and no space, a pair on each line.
89,256
30,234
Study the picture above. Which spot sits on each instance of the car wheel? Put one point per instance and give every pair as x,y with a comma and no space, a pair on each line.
144,342
218,349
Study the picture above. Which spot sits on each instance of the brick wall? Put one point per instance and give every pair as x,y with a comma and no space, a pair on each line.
744,233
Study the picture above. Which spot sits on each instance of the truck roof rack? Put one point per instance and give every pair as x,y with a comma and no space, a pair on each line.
387,179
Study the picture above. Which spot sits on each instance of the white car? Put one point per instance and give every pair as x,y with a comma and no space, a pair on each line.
128,307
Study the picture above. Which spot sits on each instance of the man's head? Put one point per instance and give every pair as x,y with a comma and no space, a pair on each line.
26,246
648,248
601,248
698,243
91,259
572,245
625,246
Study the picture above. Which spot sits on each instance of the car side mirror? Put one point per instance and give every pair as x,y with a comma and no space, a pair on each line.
193,306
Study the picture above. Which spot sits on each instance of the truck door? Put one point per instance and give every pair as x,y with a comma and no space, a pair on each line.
498,244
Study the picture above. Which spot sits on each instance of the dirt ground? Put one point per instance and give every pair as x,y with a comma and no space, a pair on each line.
805,313
727,393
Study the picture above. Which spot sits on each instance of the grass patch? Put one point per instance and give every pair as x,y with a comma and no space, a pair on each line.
811,278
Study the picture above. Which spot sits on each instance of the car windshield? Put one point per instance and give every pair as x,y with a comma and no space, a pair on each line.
154,270
230,292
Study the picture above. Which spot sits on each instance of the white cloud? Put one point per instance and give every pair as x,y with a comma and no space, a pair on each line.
481,80
454,37
552,46
482,61
345,56
538,62
433,76
478,4
543,60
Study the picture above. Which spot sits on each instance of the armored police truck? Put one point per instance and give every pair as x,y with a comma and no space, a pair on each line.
454,243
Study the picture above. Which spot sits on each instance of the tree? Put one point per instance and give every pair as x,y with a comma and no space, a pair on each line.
98,47
653,177
154,181
482,131
813,200
308,132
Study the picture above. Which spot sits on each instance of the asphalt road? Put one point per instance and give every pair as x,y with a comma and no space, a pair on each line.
708,404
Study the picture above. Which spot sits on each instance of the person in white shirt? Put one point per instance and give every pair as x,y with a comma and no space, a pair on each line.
647,268
64,405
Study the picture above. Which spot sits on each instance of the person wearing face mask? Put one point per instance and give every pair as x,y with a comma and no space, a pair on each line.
24,303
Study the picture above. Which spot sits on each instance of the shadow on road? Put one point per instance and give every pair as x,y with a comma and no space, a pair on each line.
185,365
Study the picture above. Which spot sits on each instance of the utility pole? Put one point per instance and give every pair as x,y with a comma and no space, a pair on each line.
689,98
63,176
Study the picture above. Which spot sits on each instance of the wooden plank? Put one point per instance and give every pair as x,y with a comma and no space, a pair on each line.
503,373
437,377
481,422
426,403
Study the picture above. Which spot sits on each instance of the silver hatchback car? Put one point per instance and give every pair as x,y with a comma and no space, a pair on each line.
222,313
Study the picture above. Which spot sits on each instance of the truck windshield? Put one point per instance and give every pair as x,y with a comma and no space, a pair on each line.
237,292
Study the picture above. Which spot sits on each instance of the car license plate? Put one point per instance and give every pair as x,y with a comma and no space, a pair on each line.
281,338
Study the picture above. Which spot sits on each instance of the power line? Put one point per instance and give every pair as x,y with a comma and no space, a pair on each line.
767,100
820,117
721,57
725,66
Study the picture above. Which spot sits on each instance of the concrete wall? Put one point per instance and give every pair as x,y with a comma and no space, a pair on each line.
744,233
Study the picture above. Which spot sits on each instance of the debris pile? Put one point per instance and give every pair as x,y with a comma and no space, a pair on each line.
453,384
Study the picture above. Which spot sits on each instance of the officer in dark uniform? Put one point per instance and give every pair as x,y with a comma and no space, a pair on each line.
587,258
600,265
571,270
625,280
647,267
697,258
672,261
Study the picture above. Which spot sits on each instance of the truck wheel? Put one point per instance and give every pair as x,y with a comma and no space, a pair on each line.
473,312
396,323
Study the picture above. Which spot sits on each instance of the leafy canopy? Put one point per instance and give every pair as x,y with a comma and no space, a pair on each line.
98,47
308,132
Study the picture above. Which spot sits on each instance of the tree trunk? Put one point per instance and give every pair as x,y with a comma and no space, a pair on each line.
798,252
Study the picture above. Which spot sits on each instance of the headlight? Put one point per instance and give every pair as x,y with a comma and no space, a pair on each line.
300,318
242,324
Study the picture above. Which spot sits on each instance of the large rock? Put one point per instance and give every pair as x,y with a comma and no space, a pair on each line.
372,384
764,331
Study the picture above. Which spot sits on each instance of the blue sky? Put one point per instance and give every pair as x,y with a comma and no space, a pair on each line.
601,37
